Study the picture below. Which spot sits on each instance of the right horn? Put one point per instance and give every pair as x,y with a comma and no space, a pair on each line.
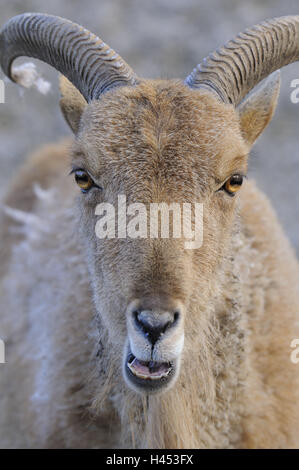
82,57
234,69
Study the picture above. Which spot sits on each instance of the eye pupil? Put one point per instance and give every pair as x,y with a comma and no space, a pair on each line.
236,180
233,184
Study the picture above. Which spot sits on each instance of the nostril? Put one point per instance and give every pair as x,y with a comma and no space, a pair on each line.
176,317
140,323
135,314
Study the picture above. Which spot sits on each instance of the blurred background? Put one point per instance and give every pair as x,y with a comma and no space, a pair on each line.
159,38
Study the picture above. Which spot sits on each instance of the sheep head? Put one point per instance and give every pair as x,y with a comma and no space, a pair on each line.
157,142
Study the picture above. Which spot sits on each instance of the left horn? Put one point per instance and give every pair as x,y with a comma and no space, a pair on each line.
82,57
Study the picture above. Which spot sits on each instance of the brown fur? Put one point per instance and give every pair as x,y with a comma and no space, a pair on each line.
65,295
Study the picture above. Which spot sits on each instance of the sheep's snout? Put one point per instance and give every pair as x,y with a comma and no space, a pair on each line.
155,343
153,325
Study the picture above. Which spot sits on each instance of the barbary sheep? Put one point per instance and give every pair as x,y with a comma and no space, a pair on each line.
119,341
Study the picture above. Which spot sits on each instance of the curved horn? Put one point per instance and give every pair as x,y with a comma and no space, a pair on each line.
75,52
234,69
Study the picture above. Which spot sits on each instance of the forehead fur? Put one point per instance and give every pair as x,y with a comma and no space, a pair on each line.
161,130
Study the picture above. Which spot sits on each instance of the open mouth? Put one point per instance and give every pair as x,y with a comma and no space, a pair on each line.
148,370
149,376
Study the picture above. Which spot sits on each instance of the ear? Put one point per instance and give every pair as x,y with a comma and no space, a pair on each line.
72,103
257,110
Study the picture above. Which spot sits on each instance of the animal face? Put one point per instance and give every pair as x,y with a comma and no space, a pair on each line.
156,142
159,142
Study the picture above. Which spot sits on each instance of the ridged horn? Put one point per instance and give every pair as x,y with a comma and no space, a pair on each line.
234,69
82,57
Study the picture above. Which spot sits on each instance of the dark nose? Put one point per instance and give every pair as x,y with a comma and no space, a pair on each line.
154,324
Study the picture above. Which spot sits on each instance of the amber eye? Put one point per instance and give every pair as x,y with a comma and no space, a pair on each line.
233,184
83,180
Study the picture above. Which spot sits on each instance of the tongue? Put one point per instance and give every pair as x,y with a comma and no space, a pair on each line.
150,369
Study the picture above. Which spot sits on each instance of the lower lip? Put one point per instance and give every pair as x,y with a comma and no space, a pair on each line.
149,385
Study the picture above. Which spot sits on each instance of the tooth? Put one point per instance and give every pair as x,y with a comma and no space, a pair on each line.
135,372
148,377
141,376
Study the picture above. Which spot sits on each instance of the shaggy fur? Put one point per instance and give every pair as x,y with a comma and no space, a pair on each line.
64,292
